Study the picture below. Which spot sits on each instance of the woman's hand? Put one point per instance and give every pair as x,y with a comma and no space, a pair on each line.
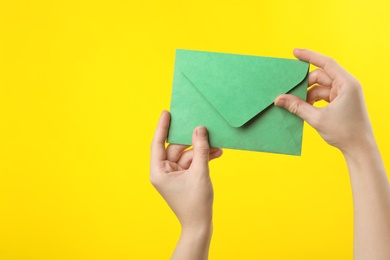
182,178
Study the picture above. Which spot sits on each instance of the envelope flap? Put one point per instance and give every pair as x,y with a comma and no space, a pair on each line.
240,86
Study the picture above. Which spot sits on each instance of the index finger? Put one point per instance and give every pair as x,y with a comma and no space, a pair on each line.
158,152
329,65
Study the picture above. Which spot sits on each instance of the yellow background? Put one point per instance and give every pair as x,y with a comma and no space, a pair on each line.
82,84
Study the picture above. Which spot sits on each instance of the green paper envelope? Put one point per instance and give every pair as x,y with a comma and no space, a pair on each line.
232,95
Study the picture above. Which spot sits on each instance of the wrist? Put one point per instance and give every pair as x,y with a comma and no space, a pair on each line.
364,158
194,242
199,231
360,148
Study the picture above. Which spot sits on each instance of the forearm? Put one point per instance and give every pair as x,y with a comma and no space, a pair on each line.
194,243
371,197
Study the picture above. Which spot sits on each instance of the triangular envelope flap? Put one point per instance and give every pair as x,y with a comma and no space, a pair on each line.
239,86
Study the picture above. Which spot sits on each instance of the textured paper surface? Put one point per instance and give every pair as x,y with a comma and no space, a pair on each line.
232,95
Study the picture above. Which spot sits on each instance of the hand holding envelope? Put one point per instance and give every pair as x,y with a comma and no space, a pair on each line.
232,95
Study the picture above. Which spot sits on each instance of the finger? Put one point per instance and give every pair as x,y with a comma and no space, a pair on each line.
201,149
330,66
318,76
158,152
174,151
318,93
215,154
298,107
186,158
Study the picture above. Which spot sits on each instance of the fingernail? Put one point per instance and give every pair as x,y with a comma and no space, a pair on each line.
201,131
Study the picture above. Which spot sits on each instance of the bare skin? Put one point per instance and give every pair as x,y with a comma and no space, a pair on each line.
182,176
344,123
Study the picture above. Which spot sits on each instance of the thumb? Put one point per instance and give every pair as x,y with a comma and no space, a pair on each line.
297,106
201,149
